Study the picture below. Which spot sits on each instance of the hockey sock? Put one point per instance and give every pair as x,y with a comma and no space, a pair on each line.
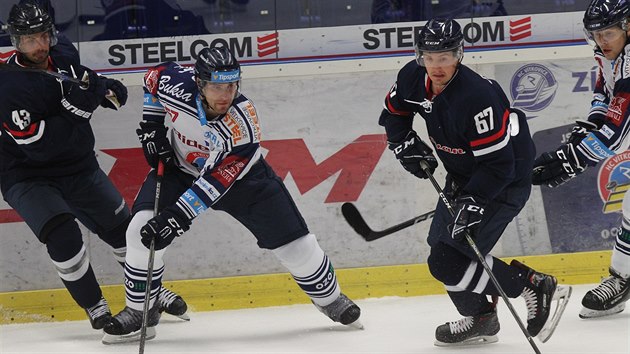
459,273
620,261
69,256
136,262
311,269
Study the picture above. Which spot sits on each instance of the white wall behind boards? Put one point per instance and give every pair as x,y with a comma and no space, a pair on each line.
322,136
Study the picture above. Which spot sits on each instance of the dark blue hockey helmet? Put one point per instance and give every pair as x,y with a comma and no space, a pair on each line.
30,17
440,35
602,14
217,65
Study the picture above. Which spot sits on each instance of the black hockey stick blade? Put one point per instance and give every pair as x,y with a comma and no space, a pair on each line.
356,221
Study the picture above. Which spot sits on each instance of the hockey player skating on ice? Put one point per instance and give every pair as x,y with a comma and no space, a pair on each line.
48,169
217,166
487,151
603,135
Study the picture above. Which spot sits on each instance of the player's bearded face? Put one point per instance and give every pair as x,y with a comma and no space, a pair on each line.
441,66
220,95
35,47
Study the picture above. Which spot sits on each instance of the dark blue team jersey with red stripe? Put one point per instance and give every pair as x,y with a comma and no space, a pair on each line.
37,137
483,144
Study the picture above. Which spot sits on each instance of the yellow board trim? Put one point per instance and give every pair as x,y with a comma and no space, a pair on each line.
280,289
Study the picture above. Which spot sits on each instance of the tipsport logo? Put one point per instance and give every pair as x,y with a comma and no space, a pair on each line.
533,87
226,76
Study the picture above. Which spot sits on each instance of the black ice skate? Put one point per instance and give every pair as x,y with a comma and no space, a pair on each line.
540,292
479,329
342,310
608,298
125,326
172,304
99,314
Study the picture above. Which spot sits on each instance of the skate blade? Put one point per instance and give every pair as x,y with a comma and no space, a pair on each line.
561,297
356,324
480,340
183,316
587,313
127,338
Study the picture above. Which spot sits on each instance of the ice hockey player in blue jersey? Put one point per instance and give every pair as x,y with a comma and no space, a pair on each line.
207,135
487,151
48,168
603,135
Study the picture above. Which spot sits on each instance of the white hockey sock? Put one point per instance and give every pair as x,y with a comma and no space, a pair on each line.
136,262
311,269
620,261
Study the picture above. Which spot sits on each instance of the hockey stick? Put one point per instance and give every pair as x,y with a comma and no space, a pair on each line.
63,77
471,242
147,290
354,218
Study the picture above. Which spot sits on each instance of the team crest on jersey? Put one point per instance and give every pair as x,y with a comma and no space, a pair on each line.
617,108
613,181
151,80
533,87
197,159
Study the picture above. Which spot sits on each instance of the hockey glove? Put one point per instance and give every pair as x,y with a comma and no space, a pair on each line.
164,228
580,130
116,95
468,214
411,151
554,169
82,101
155,144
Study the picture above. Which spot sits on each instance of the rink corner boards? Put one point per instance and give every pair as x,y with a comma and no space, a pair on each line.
280,289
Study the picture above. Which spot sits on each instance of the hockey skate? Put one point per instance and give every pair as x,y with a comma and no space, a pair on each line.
342,310
608,298
540,293
172,304
99,314
125,326
479,329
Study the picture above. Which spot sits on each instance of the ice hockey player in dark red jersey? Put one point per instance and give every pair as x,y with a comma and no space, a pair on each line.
487,151
603,135
208,134
48,168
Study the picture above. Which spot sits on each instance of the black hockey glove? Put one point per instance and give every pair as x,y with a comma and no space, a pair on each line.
580,130
554,169
155,144
411,151
163,228
116,95
82,101
468,214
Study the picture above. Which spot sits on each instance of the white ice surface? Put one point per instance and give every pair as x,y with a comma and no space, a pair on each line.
392,325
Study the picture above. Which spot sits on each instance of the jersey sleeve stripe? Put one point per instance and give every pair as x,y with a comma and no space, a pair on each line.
391,109
492,148
34,133
496,136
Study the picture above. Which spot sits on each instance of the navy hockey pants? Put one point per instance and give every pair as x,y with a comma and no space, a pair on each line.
450,260
90,197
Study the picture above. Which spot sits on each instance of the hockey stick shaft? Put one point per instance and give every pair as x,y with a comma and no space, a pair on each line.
60,76
357,222
471,242
147,291
63,77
